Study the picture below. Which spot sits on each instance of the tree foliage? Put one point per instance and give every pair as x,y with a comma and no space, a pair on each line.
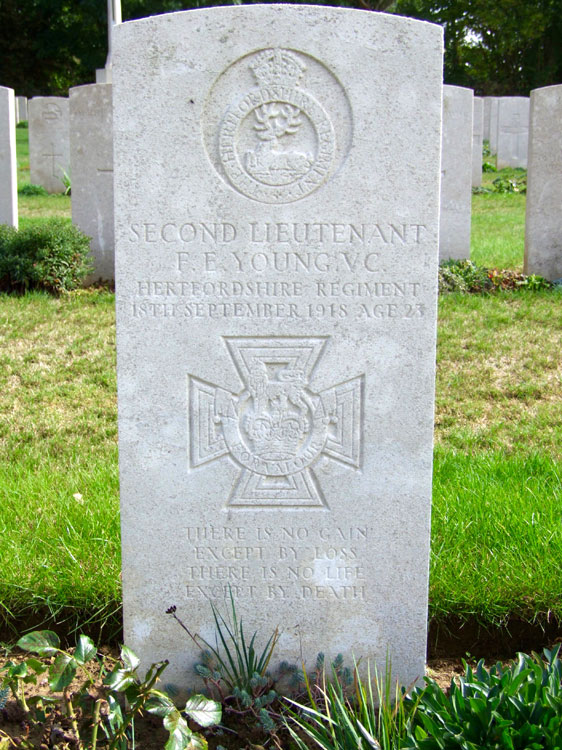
497,47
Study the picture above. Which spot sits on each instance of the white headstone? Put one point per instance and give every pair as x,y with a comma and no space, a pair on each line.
477,140
513,131
8,165
494,124
91,166
49,142
21,108
276,198
543,227
487,100
456,174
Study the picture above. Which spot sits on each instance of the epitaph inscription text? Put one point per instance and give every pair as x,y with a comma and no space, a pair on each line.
284,561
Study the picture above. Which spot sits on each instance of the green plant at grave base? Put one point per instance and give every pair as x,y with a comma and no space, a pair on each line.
53,256
67,182
30,189
512,280
466,276
235,673
510,185
515,707
463,276
372,715
487,166
107,719
22,124
486,150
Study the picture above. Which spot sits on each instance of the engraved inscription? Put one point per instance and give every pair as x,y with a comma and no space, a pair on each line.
53,155
277,427
278,141
285,562
51,111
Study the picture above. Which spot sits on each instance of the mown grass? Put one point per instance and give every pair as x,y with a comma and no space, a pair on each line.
59,538
498,230
497,502
496,538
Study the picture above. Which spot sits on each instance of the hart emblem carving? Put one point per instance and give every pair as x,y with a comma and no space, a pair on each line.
276,428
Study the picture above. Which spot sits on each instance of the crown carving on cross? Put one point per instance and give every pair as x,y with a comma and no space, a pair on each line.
278,66
276,437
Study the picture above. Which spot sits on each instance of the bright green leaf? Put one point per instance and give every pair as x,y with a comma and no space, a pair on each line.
119,679
204,711
180,733
85,650
159,704
43,642
130,659
62,672
36,665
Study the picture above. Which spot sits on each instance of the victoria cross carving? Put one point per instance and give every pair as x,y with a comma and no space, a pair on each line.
277,427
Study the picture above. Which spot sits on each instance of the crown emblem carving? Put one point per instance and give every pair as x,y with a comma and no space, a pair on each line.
278,66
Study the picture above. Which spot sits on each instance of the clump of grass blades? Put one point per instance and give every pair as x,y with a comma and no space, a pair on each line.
372,716
234,670
238,661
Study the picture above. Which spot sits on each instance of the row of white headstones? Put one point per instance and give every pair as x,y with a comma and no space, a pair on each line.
73,136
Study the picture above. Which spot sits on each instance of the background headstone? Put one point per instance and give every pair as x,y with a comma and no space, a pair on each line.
8,165
91,166
494,124
543,226
276,275
49,142
477,140
21,108
456,173
487,114
103,75
513,131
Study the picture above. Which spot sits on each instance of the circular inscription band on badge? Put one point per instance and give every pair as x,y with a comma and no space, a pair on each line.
270,174
275,140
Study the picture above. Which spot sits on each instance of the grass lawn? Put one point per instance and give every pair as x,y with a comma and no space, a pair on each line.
498,226
497,532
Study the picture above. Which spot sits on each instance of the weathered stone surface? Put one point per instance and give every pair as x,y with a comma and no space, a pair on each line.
494,124
21,108
456,173
49,142
8,166
91,166
513,131
477,140
543,226
276,198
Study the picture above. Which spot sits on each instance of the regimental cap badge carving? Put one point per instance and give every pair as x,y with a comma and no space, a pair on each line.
277,427
277,143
